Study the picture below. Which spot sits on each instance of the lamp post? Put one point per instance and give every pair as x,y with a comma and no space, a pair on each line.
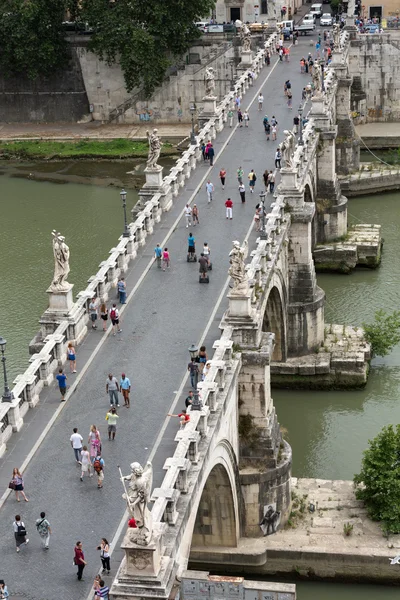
193,141
194,353
263,233
321,64
301,142
7,395
126,233
232,87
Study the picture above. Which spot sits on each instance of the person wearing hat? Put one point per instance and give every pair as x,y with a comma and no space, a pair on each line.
125,386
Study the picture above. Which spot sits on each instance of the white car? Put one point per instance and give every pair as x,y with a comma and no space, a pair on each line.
309,16
326,19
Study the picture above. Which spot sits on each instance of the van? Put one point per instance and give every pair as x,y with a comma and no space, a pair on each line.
286,25
316,9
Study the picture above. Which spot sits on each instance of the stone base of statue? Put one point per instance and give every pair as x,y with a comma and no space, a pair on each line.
209,110
154,177
317,104
154,185
288,179
246,60
60,300
240,303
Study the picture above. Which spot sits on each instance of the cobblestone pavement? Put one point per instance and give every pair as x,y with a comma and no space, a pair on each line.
168,312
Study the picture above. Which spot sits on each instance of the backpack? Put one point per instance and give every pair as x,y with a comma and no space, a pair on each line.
21,531
113,314
97,466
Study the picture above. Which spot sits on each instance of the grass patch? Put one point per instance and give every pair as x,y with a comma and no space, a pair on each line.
84,148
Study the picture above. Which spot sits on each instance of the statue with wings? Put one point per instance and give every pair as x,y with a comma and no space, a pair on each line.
137,496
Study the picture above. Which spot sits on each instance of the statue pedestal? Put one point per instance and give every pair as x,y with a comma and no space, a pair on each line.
240,304
60,300
246,60
154,178
317,104
337,58
142,560
209,110
288,179
154,185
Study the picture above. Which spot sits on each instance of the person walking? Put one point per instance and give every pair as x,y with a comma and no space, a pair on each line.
125,387
188,215
271,182
193,369
240,174
240,117
112,389
210,154
257,219
242,192
209,190
98,468
114,316
85,462
246,118
222,176
265,178
112,419
203,151
102,591
158,255
44,530
274,130
17,484
3,590
62,383
104,548
228,206
296,122
230,117
195,215
121,287
104,315
260,101
267,58
278,158
94,441
267,126
79,560
19,532
165,259
252,177
71,357
76,442
93,312
289,99
237,102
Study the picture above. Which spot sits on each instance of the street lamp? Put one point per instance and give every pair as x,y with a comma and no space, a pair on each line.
232,86
321,64
194,353
126,233
7,395
263,233
301,142
193,141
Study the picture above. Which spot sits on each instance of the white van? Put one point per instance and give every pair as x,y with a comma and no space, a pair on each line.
286,25
316,9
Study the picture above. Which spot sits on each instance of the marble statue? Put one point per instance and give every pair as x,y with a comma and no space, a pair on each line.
245,36
209,80
287,148
61,262
237,270
316,77
154,149
336,36
137,496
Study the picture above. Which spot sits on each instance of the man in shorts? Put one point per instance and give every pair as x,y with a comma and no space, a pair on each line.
203,266
125,386
62,383
114,316
112,418
93,312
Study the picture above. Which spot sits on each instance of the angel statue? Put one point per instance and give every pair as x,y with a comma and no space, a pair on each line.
154,149
245,36
316,77
237,270
336,36
137,496
209,80
287,148
61,262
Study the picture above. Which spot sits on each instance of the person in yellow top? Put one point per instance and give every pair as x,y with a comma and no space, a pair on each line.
112,419
252,177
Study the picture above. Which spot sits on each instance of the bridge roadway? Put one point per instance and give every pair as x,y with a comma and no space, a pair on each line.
165,314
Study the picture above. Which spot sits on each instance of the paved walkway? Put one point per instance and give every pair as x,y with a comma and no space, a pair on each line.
168,311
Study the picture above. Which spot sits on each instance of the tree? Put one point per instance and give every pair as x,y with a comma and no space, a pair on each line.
384,333
32,40
378,483
143,36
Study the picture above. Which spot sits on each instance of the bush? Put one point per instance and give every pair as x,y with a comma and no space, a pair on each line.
384,333
378,483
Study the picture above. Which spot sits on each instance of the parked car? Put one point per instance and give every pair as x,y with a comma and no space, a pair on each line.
316,9
374,28
309,16
202,25
326,20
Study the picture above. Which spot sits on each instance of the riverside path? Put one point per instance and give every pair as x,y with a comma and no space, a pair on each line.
165,313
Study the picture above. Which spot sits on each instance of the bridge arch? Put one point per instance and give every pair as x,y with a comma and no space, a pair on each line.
274,311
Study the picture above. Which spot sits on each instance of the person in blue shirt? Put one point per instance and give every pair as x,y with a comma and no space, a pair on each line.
158,255
62,383
125,386
191,244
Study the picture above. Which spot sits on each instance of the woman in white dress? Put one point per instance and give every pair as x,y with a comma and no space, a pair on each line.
86,462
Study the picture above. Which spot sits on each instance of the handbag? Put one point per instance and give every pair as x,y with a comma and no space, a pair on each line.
12,485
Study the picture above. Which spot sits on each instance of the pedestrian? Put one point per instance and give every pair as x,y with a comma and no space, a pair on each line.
76,442
252,177
302,65
318,48
265,178
194,371
183,418
125,387
98,468
203,151
296,122
242,192
207,148
240,117
271,181
79,559
114,316
209,190
257,219
228,206
71,357
278,158
102,591
203,266
310,65
267,126
230,117
202,358
304,94
287,54
93,312
104,315
240,174
260,101
112,418
121,287
281,54
165,259
158,255
191,245
188,215
306,67
3,590
112,389
189,399
94,441
85,462
267,58
274,121
195,215
44,530
222,176
237,102
105,555
62,383
211,154
246,118
17,484
20,532
289,99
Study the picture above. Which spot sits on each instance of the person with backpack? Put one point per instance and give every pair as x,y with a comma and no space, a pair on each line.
267,126
98,467
44,530
114,316
252,177
20,532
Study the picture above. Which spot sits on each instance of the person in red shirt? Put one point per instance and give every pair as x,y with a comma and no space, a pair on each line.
228,205
222,175
79,559
183,418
